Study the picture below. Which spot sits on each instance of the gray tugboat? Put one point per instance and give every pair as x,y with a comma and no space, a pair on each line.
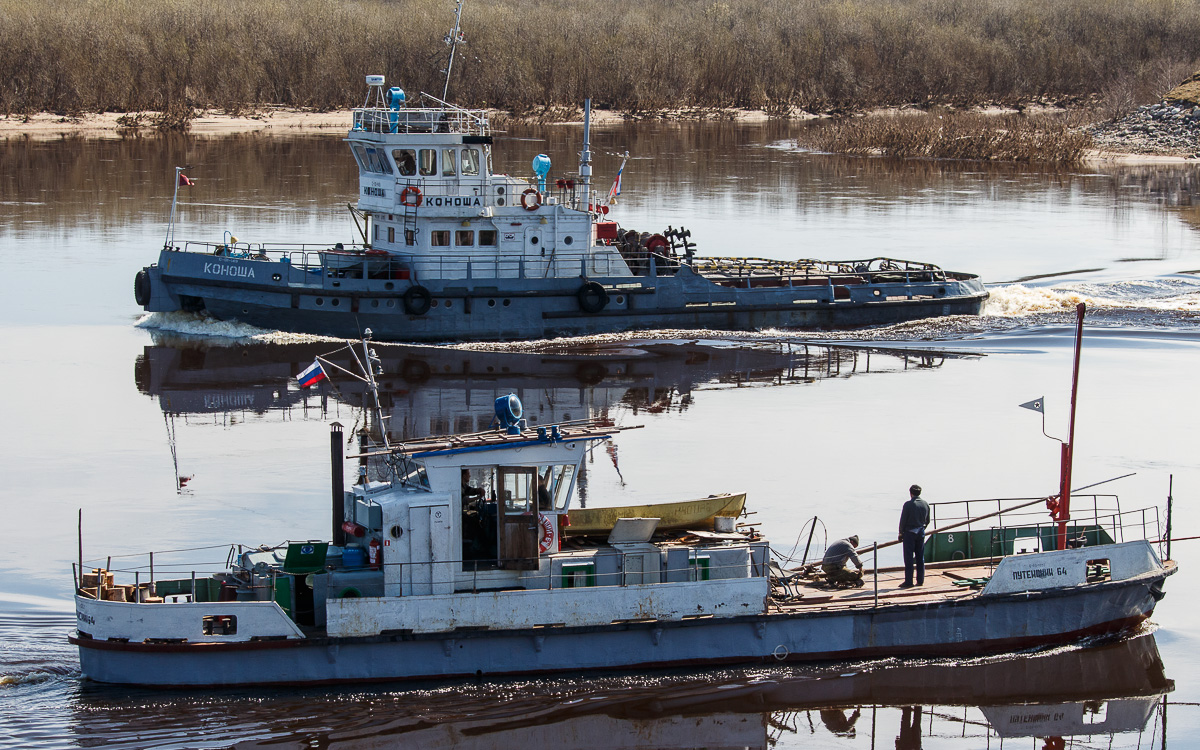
452,251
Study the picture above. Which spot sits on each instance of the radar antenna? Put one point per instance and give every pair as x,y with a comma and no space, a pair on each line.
454,38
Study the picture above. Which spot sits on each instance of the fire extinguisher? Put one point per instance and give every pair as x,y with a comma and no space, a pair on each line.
375,553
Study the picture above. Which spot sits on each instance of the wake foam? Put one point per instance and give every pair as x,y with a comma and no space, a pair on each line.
1158,295
222,332
29,678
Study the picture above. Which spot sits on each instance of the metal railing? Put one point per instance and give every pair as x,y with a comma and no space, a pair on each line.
1095,519
868,271
443,119
176,573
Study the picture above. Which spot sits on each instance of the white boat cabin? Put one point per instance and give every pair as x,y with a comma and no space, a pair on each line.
427,187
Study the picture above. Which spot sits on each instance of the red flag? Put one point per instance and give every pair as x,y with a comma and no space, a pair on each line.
184,181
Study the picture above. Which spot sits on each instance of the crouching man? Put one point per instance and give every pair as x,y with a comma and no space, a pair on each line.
834,563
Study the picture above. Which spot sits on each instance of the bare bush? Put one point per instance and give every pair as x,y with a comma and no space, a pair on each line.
630,55
953,135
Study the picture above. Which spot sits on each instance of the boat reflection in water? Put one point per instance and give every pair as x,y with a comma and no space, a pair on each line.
438,390
1108,693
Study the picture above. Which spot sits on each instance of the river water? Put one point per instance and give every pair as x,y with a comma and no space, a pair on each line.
109,410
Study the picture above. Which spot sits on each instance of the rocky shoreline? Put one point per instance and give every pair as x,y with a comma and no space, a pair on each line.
1166,129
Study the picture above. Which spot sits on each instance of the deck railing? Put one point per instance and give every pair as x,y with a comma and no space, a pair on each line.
1095,519
180,575
444,119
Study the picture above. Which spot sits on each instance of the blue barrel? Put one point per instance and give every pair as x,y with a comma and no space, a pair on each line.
354,557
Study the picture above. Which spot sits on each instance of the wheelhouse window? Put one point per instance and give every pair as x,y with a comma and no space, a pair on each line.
406,161
464,237
391,234
428,162
470,161
439,238
554,486
379,162
360,156
487,237
516,491
448,160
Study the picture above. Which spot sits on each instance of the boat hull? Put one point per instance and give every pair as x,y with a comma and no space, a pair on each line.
971,626
689,514
270,295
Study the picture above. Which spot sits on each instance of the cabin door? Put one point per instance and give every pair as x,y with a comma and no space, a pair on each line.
431,569
518,518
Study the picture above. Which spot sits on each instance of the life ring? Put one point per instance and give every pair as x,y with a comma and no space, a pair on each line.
413,192
531,205
546,538
141,288
592,297
417,300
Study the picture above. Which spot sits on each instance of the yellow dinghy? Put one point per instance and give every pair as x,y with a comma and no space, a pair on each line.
689,514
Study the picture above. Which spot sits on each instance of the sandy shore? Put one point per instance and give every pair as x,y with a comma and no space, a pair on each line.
280,121
277,121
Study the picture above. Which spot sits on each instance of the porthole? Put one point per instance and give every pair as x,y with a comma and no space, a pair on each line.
620,299
391,303
245,311
877,293
500,190
448,303
374,303
397,532
533,240
491,303
320,301
389,286
507,302
568,240
433,303
336,302
941,291
276,277
499,201
490,368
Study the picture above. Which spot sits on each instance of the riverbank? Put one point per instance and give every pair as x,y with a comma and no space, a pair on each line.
1110,144
287,121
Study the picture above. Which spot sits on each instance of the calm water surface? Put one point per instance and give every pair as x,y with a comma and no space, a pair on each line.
106,415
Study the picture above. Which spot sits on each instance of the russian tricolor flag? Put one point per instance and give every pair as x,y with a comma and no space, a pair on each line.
314,374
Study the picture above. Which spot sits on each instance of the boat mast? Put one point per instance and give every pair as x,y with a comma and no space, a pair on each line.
585,157
1062,509
370,363
454,38
170,238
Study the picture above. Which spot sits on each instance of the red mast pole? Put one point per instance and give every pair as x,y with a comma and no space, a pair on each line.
1062,513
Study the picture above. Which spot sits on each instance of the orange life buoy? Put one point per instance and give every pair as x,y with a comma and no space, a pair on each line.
413,192
531,205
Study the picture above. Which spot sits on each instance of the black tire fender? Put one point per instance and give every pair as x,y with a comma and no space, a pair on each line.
417,300
592,297
141,287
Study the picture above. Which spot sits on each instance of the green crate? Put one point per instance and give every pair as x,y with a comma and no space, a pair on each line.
578,575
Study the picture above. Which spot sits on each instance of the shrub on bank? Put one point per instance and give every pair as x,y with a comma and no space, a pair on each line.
74,56
1050,139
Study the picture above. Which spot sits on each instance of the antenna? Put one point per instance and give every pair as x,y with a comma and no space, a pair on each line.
454,38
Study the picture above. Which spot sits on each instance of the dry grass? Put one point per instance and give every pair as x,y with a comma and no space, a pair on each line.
74,56
1046,139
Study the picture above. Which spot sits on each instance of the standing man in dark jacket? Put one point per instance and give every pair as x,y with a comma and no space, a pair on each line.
913,520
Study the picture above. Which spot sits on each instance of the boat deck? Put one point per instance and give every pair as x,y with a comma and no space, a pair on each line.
941,584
